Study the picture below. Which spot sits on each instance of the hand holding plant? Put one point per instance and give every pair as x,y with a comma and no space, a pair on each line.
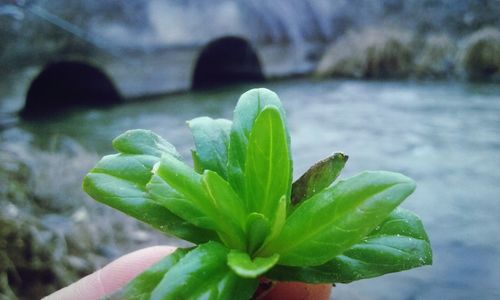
239,206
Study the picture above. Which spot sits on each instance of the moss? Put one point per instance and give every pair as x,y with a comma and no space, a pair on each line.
369,53
480,55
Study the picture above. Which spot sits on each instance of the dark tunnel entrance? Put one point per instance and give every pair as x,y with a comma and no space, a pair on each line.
226,61
68,84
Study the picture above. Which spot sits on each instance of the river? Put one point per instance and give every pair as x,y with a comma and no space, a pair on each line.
445,135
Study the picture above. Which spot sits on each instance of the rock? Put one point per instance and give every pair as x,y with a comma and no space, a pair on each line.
15,178
51,233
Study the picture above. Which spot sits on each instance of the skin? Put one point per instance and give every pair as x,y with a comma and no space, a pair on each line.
298,291
113,276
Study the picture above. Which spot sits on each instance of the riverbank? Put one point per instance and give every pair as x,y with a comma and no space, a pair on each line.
378,53
51,233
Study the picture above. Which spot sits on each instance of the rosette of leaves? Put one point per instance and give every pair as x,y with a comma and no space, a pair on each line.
239,207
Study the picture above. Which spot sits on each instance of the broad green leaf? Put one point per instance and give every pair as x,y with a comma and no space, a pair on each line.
120,180
204,274
140,141
132,200
248,108
318,177
134,168
399,243
140,287
268,167
177,203
242,264
258,229
183,179
196,162
194,187
211,138
224,198
278,220
332,221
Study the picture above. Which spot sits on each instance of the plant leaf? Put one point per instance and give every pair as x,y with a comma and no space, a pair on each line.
332,221
203,273
196,162
268,168
279,219
224,198
242,264
248,108
318,177
211,138
200,194
119,181
140,141
177,203
258,229
399,243
140,287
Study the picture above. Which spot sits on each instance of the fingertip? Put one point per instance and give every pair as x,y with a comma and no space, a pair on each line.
121,271
113,276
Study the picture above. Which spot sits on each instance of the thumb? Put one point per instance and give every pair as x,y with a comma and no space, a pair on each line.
113,276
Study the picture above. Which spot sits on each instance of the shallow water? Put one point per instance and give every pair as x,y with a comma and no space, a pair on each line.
445,135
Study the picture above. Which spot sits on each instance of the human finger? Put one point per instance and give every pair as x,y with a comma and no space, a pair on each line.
113,276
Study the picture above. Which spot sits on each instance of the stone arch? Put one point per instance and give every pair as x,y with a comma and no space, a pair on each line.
66,84
225,61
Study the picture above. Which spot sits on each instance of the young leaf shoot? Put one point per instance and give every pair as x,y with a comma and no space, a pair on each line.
247,219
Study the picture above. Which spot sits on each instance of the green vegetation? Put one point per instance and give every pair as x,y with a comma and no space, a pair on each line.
236,205
480,57
437,57
390,53
369,53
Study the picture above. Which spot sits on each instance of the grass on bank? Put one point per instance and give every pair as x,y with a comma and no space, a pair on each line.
397,53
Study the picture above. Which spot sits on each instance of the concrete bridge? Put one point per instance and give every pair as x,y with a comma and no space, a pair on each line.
101,80
120,62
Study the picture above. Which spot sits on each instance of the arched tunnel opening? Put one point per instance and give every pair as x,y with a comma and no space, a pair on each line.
68,84
226,61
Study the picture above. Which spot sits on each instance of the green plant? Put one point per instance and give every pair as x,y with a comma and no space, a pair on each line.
248,220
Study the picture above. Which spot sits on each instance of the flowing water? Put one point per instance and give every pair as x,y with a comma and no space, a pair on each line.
445,135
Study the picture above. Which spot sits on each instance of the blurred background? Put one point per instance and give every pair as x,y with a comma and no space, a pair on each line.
408,86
